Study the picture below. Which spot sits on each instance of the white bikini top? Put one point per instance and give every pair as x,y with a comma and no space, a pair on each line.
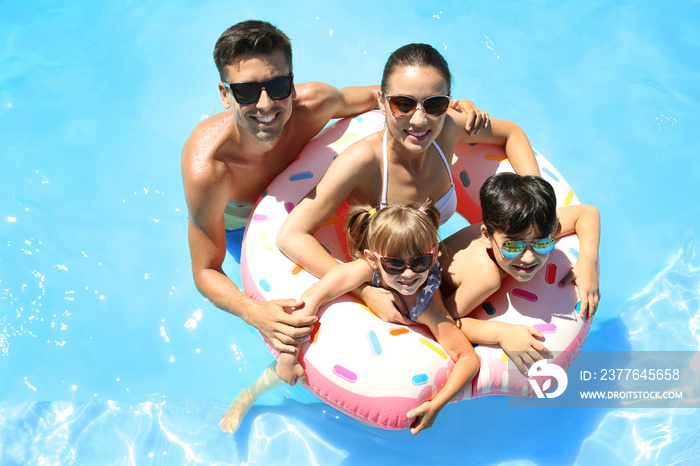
447,205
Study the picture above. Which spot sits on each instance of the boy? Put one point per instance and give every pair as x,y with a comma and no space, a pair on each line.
520,224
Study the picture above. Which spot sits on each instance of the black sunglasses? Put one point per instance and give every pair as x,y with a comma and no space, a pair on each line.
249,93
396,266
403,106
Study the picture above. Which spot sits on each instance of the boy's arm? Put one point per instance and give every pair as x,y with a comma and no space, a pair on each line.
584,220
459,349
518,341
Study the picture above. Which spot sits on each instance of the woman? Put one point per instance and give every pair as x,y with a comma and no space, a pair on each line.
405,162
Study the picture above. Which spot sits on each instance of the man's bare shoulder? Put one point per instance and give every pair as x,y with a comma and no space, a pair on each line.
201,163
208,136
314,95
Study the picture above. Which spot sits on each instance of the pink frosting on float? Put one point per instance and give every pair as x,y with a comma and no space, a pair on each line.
371,410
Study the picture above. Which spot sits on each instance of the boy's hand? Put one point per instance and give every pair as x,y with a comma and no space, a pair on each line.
585,277
522,347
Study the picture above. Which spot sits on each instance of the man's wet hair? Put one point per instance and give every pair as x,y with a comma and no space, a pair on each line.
252,37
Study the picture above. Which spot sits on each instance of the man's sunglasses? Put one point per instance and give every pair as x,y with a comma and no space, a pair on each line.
396,266
249,93
403,106
511,249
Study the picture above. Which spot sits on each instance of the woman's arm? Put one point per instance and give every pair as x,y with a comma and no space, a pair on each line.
345,176
584,220
460,350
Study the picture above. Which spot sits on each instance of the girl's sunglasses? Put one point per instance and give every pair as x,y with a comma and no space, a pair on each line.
396,266
511,249
403,106
249,93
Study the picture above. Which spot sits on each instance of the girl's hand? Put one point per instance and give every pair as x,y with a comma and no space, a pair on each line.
584,275
291,372
425,415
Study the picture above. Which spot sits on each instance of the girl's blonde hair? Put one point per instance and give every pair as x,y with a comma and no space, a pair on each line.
394,230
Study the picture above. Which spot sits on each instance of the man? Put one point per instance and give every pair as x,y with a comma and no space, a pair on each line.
230,158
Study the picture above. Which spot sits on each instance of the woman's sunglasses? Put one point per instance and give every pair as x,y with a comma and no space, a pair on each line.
249,93
511,249
403,106
396,266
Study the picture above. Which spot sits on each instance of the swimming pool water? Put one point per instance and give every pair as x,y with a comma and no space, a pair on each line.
108,355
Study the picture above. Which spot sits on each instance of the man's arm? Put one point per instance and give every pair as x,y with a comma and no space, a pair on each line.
206,191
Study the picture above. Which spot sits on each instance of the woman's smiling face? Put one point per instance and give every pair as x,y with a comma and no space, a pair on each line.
417,131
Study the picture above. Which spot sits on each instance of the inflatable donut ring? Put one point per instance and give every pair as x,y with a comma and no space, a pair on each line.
376,371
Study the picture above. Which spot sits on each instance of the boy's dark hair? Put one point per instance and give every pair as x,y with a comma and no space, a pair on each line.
250,37
516,204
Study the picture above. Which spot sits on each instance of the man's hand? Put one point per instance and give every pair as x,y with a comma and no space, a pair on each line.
476,119
522,347
275,320
387,306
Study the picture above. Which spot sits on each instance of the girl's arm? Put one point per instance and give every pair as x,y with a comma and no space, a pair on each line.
503,133
584,220
341,279
460,350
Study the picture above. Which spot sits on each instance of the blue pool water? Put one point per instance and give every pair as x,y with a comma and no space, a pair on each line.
108,355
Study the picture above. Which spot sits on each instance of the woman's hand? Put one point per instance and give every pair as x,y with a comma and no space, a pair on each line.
476,119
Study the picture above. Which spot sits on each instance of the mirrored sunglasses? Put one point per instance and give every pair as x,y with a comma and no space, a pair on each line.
511,249
249,93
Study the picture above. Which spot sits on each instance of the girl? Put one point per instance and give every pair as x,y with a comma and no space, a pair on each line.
396,249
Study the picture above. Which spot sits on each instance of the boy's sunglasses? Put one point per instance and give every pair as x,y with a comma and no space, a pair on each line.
511,249
403,106
249,93
396,266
